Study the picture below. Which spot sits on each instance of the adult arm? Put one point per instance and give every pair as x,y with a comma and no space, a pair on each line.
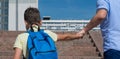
96,20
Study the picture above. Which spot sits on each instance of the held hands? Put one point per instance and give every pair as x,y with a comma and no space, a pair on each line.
81,33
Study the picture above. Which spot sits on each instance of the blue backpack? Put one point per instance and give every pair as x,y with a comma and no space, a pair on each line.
41,46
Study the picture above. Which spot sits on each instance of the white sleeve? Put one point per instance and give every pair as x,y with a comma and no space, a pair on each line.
52,34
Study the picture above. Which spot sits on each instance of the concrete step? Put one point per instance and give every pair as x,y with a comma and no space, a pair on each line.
10,33
11,40
70,51
81,43
78,51
6,53
6,44
61,57
6,48
86,36
97,37
78,48
79,57
6,57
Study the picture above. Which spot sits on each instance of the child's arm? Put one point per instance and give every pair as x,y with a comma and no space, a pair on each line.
17,53
68,36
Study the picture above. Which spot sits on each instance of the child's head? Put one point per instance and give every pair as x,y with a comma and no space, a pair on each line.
32,18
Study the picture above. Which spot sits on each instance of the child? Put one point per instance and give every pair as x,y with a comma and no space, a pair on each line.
33,22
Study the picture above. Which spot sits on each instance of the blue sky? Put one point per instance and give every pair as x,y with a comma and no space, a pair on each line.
67,9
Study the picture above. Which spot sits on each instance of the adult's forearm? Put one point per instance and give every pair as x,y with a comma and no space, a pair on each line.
93,23
96,20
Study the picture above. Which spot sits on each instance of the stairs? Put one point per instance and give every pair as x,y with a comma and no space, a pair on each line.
78,49
7,39
84,48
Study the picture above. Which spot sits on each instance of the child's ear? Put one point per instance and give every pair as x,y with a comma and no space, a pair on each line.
25,23
40,22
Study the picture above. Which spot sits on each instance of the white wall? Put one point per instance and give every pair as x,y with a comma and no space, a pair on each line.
22,6
12,17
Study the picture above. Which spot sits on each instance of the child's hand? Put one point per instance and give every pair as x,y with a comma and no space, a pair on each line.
81,33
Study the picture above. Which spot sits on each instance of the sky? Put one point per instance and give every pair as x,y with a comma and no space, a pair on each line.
68,9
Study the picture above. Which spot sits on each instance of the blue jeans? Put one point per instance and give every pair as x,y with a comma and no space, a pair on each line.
112,54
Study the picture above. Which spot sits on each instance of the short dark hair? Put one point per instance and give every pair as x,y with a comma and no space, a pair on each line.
32,16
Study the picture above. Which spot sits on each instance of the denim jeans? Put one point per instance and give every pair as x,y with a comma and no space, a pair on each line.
112,54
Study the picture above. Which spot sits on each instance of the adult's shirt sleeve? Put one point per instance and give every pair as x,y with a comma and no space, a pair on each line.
103,4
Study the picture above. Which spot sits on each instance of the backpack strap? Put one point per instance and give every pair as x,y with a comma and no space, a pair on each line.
48,39
23,57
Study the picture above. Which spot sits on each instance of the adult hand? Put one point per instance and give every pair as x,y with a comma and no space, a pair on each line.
81,33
